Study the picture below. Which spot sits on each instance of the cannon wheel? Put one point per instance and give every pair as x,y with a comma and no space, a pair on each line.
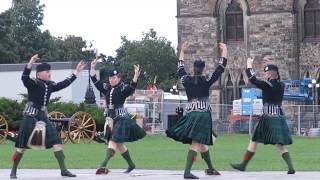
82,126
63,132
3,129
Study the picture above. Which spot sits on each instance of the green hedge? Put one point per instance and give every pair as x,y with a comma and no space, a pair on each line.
12,111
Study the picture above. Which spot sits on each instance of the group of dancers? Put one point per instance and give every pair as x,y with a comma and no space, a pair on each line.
194,128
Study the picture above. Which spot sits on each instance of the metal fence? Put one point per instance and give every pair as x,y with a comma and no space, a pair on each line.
156,117
301,119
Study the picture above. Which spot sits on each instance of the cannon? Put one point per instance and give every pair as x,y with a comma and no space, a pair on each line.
80,126
4,129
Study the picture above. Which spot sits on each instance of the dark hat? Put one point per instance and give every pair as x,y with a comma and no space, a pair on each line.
271,67
114,71
43,67
199,63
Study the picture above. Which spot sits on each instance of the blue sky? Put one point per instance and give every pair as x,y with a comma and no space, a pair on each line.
104,21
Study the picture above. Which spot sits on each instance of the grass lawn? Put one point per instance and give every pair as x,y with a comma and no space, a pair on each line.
159,152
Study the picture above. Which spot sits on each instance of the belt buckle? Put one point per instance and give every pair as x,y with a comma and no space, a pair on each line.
111,106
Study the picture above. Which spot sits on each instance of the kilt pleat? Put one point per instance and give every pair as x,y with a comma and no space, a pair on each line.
194,126
126,130
272,130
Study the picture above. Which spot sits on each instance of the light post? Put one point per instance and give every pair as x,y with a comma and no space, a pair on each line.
89,53
314,86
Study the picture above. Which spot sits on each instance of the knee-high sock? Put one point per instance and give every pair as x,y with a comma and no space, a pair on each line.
206,157
126,156
246,158
16,160
287,159
110,153
60,157
190,159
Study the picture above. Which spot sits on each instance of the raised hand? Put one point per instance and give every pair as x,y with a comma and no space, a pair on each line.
223,50
184,46
93,67
94,63
137,71
80,67
267,60
250,62
33,60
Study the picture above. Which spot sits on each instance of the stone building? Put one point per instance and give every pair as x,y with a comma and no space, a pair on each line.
289,30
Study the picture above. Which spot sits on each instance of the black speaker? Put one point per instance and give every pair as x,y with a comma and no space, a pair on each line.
172,120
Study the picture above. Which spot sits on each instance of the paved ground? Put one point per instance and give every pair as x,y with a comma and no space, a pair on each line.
88,174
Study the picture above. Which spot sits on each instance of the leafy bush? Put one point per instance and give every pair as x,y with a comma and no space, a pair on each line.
12,111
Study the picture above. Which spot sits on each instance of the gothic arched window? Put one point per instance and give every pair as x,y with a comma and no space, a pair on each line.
229,91
234,22
307,75
312,20
241,85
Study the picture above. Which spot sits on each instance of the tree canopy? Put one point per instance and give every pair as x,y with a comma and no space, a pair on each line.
21,37
155,55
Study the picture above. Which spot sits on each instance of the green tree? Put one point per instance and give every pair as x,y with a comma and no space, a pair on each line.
72,46
27,16
8,54
21,37
156,56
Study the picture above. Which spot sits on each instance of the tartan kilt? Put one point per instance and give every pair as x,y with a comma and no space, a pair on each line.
272,130
126,129
194,126
26,127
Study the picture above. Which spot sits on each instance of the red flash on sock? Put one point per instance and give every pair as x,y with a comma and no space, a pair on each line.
14,157
246,157
194,158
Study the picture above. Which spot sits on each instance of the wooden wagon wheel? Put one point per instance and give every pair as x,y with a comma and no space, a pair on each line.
63,131
3,129
82,126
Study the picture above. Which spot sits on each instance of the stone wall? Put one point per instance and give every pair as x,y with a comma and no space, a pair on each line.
269,26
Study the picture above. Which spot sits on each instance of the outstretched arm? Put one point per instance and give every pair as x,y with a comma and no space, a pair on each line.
102,87
221,66
27,81
130,88
252,78
65,83
137,71
181,70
